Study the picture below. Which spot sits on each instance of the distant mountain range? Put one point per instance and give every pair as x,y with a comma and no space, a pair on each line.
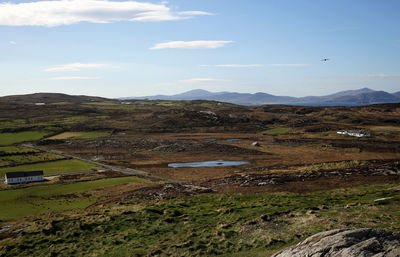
364,96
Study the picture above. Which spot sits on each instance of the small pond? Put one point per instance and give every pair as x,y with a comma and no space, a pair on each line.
218,163
232,139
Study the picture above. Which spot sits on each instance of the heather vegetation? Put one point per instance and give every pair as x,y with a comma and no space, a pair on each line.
109,189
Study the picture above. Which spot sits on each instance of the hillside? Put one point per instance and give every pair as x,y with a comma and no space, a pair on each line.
49,98
191,178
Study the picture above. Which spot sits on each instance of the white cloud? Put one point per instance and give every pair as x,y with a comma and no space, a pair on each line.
203,80
66,12
239,65
256,65
376,76
289,65
200,44
194,13
74,78
12,42
77,67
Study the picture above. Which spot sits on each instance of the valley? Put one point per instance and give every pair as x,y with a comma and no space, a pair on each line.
298,176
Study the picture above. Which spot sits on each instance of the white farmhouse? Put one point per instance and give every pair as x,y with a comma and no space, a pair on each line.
23,177
353,133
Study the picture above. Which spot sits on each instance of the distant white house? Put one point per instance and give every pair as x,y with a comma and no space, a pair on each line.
353,133
40,104
23,177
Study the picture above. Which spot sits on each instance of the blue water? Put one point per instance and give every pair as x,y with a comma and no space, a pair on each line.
218,163
233,139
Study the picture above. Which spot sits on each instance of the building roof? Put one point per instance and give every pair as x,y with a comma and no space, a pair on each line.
20,174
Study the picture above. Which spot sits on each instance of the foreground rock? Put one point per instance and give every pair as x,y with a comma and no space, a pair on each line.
346,243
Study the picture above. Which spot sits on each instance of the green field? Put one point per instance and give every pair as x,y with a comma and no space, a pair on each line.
18,160
17,149
80,135
66,135
210,224
17,203
93,134
55,167
276,131
18,137
11,123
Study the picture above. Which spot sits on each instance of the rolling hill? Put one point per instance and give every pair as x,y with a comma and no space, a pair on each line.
362,96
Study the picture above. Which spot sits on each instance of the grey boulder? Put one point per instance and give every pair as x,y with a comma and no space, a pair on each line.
363,242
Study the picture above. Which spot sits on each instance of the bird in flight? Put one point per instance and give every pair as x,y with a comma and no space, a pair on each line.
325,60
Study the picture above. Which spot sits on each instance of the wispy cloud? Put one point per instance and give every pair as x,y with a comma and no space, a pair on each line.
289,65
200,44
203,80
66,12
256,65
375,76
239,65
77,67
74,78
12,42
194,13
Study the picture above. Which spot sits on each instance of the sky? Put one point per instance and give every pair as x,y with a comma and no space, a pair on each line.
127,48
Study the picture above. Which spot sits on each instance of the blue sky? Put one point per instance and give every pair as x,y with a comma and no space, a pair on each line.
136,48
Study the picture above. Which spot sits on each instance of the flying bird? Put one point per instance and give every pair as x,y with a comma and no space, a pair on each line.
325,60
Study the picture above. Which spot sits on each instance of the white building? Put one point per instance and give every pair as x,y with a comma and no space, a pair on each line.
353,133
23,177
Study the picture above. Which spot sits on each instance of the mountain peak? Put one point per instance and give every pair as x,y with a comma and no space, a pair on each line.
197,91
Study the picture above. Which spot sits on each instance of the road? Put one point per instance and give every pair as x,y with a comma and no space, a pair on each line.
127,171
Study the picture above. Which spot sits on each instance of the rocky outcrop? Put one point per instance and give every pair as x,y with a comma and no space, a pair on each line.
364,242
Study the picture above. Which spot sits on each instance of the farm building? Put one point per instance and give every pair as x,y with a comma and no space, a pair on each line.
23,177
353,133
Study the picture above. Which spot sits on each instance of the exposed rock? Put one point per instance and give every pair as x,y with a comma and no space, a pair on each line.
255,144
276,178
382,199
5,228
346,243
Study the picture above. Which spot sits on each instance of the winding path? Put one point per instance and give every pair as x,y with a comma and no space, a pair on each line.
127,171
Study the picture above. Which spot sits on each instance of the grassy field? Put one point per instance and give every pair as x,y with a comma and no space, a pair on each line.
276,131
17,149
66,135
80,135
93,134
17,160
38,199
55,167
333,165
11,123
12,138
210,224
